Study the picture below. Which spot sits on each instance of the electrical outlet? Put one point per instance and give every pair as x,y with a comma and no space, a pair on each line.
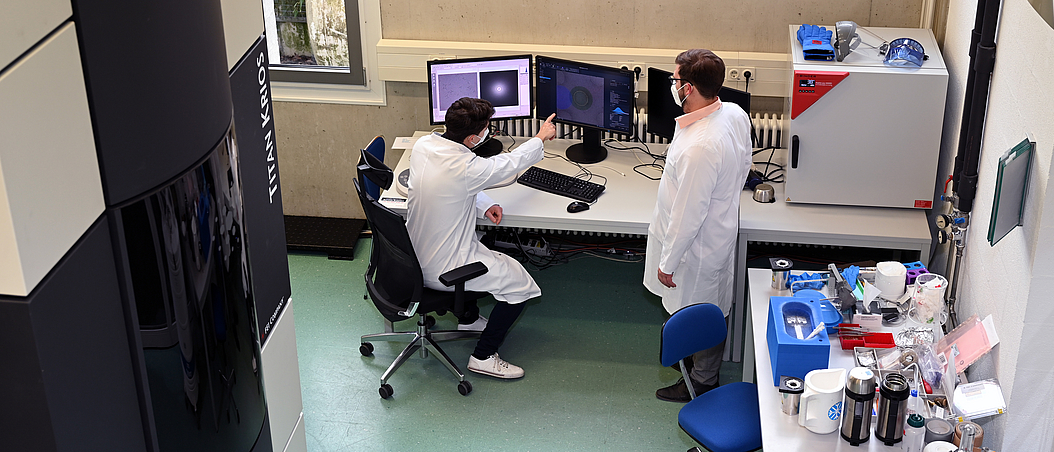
738,74
640,68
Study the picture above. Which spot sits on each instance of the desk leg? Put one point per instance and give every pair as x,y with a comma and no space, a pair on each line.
742,311
738,319
748,348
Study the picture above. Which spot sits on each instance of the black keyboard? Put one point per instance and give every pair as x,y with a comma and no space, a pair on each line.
560,184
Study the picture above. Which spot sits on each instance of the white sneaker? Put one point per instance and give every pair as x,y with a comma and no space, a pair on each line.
495,367
478,325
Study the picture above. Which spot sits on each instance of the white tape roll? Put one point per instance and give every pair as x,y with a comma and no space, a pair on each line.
891,278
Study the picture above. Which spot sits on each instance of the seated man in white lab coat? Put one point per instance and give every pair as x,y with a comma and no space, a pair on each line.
445,198
692,235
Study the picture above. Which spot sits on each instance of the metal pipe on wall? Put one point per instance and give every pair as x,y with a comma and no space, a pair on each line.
967,159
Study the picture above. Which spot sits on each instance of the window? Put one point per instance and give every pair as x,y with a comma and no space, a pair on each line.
316,50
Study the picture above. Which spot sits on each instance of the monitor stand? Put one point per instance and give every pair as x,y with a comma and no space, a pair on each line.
590,150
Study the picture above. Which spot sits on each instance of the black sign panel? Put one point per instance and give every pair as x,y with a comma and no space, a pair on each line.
258,165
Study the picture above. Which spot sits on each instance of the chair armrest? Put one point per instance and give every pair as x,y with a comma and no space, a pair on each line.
463,273
457,278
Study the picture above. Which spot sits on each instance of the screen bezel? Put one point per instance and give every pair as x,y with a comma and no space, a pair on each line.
660,100
530,77
600,68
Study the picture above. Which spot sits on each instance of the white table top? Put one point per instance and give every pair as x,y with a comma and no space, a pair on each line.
778,430
625,207
629,201
876,227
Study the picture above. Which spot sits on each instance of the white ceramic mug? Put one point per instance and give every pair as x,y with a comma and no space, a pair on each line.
820,408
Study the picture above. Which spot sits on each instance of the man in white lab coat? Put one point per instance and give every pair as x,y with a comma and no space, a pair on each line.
445,198
692,236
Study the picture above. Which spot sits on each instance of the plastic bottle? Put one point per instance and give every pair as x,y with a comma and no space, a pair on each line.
914,403
914,433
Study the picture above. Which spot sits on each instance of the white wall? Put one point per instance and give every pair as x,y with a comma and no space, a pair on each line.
1012,280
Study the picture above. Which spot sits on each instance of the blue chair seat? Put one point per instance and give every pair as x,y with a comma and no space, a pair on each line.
725,419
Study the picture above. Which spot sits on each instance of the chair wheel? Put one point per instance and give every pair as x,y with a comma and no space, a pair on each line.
366,349
430,321
386,391
464,387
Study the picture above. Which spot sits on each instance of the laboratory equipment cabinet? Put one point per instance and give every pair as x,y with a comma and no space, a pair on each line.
862,132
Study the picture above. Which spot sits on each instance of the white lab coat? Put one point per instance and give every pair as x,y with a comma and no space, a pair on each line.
445,198
693,231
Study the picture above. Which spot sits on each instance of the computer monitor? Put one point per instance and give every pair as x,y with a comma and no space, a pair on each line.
597,98
662,111
505,81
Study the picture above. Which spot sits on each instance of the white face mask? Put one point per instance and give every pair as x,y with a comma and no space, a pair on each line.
482,138
677,94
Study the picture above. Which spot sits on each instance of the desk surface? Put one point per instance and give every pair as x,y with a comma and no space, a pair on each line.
875,227
778,430
625,207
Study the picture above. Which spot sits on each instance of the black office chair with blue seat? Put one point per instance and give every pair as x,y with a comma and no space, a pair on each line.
395,284
726,418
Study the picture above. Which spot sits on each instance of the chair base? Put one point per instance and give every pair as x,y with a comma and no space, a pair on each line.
421,340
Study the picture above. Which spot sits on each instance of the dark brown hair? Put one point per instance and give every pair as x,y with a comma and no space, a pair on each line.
467,116
703,69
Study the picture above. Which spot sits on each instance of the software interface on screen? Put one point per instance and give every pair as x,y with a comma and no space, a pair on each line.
595,97
504,81
585,94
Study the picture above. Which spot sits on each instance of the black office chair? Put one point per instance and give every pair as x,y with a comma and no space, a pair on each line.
394,282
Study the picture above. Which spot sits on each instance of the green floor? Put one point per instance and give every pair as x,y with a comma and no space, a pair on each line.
589,348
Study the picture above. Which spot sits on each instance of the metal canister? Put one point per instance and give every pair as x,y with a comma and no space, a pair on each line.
856,408
781,269
892,409
791,389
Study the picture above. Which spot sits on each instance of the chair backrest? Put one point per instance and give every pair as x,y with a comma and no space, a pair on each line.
372,170
689,330
375,150
393,278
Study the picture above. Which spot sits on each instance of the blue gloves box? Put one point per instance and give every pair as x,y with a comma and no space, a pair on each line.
790,321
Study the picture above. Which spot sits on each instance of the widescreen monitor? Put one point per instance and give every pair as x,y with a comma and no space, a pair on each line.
662,111
597,98
504,81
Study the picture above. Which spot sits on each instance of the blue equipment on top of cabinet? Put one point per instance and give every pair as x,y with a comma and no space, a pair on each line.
794,349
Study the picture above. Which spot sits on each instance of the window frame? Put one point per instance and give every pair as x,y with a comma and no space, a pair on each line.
321,84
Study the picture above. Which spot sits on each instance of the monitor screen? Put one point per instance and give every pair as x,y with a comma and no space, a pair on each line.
662,111
582,94
504,81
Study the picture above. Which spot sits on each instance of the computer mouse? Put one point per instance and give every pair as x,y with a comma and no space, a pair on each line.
577,206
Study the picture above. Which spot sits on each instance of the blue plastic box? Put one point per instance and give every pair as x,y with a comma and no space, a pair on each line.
789,355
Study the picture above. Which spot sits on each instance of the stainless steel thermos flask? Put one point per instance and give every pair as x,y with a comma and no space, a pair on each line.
892,409
856,409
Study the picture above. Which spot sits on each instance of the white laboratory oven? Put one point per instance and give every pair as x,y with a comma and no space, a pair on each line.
863,133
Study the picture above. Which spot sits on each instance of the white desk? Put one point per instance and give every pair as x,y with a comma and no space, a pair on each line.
815,224
625,207
628,202
778,430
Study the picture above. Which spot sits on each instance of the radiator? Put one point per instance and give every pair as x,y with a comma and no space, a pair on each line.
768,128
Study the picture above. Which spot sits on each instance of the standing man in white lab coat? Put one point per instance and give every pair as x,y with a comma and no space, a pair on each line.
692,236
445,198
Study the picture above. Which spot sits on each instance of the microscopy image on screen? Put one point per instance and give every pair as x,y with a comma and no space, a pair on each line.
580,98
452,87
501,88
